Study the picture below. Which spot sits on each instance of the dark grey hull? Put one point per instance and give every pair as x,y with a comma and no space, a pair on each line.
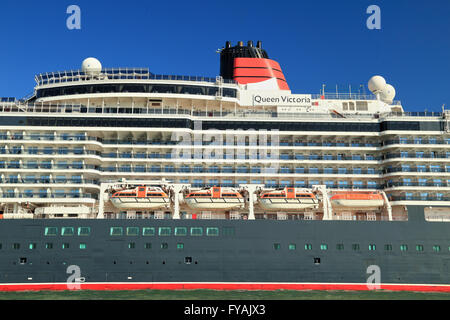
256,251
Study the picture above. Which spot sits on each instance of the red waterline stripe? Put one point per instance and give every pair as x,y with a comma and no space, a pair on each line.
222,286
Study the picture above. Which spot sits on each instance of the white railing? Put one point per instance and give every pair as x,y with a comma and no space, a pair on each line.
174,112
115,74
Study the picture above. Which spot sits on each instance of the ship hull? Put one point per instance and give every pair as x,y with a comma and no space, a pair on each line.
259,254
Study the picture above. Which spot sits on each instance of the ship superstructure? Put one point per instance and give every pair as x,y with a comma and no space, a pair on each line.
82,128
127,143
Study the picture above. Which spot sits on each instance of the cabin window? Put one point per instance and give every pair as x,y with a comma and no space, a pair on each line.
419,247
292,246
362,106
285,183
180,246
276,246
300,184
132,231
131,245
299,170
372,247
323,247
84,231
82,246
436,248
148,245
51,231
196,231
212,231
148,231
49,245
340,246
164,245
65,246
308,246
403,247
180,231
213,182
387,247
355,247
67,231
228,231
164,231
16,246
116,231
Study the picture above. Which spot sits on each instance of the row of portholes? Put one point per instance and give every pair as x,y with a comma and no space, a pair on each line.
187,260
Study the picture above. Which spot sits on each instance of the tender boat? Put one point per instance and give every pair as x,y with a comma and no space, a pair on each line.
287,199
141,197
364,200
214,198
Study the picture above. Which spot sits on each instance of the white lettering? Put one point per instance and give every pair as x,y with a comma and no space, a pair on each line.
282,100
74,20
73,281
374,280
374,21
201,310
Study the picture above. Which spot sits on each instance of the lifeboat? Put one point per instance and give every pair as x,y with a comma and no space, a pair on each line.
363,200
141,197
214,198
287,199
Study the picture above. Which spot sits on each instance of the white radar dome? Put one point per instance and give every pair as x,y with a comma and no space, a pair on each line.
387,94
376,84
91,66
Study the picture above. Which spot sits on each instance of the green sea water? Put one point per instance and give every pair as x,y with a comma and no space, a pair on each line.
221,295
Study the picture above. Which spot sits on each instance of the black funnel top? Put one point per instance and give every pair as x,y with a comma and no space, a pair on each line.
228,54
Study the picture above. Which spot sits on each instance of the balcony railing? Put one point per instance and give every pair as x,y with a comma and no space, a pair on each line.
413,141
417,184
115,74
42,195
172,111
418,198
362,144
413,155
49,181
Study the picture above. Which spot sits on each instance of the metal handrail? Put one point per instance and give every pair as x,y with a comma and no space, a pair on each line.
172,111
116,74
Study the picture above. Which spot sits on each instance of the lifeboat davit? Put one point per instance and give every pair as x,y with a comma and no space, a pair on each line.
141,197
363,200
287,199
214,198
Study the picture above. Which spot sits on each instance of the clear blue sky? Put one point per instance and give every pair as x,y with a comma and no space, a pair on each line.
315,41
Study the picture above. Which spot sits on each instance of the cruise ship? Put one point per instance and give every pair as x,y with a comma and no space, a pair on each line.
125,179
